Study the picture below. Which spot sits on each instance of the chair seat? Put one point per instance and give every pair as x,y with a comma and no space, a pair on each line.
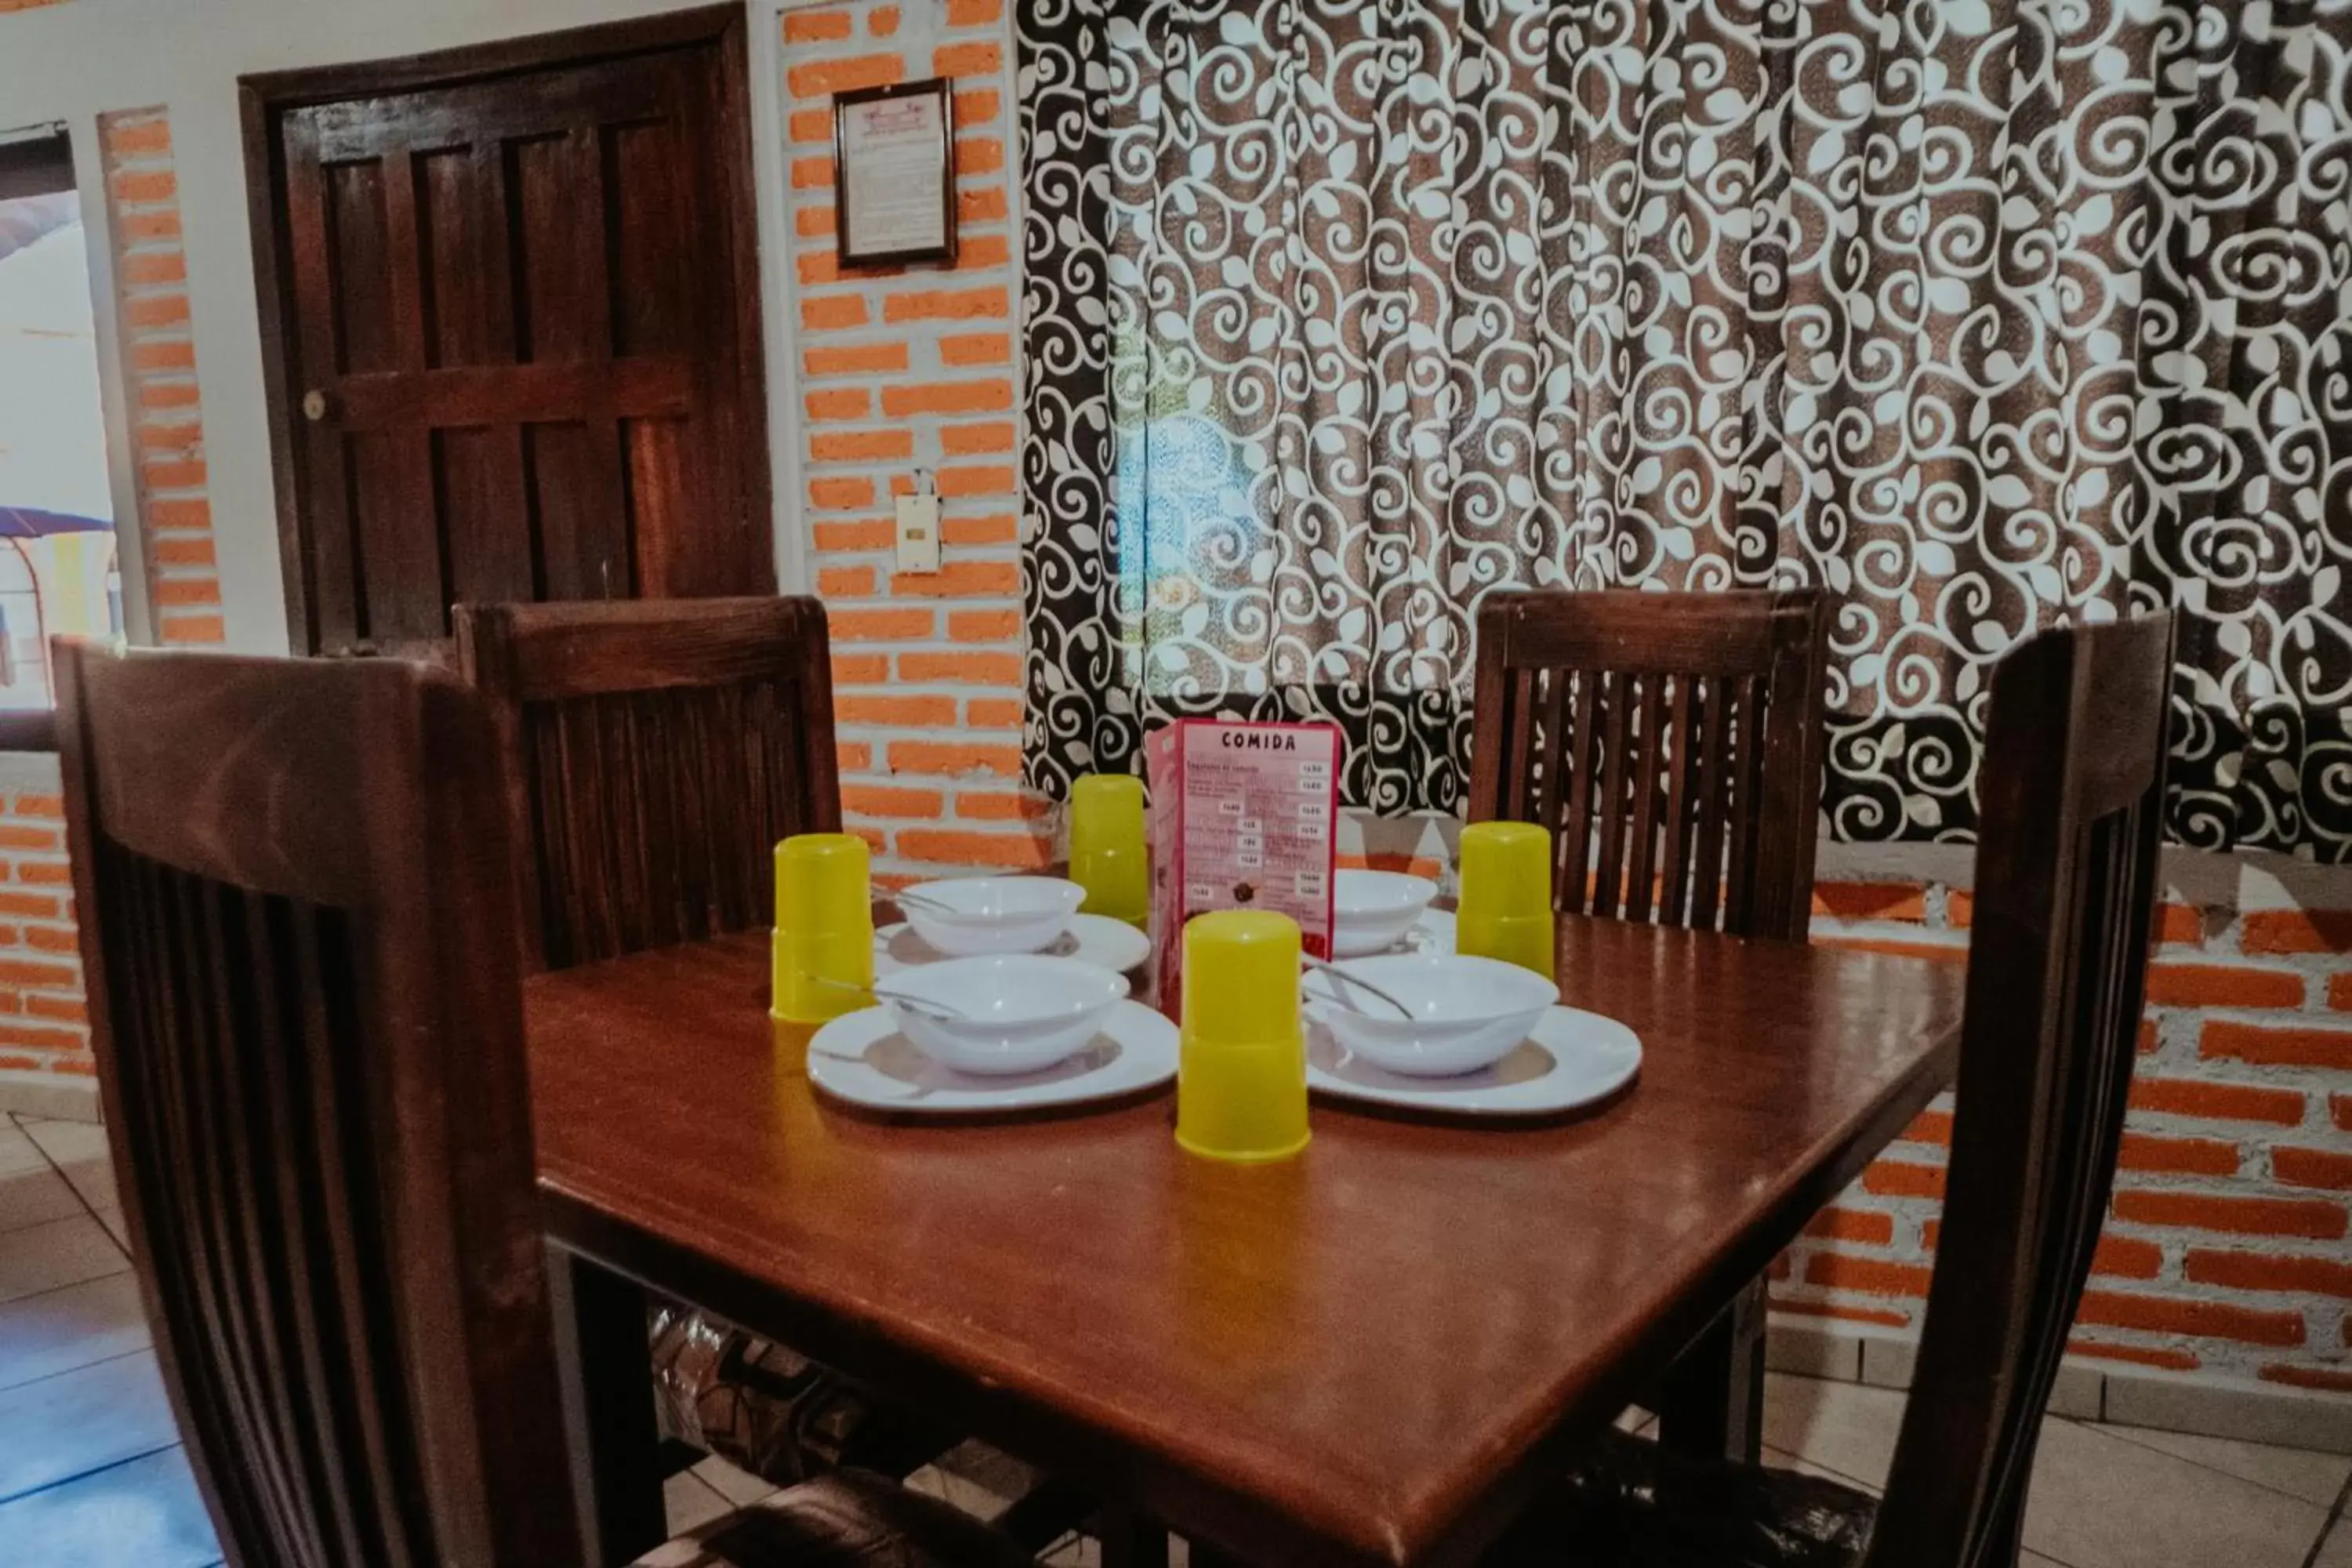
847,1519
1632,1504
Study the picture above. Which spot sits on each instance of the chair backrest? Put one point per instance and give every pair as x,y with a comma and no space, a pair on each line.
659,749
2071,796
1672,742
297,924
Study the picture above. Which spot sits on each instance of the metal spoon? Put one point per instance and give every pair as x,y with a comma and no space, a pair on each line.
1344,978
922,1005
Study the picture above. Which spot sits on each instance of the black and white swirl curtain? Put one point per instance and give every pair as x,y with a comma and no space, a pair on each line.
1984,313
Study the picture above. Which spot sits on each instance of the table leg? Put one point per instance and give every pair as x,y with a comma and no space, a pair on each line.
1131,1539
609,1407
1712,1404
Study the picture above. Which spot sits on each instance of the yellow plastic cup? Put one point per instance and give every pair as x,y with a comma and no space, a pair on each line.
1241,1074
825,928
1505,910
1108,856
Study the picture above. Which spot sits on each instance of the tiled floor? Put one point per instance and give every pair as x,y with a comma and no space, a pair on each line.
92,1476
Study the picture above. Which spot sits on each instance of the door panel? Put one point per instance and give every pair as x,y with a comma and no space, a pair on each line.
518,360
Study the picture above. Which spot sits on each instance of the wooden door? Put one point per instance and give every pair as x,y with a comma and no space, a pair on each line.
510,311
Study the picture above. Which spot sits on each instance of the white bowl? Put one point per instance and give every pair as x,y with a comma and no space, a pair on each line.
1020,1012
1371,910
994,915
1468,1013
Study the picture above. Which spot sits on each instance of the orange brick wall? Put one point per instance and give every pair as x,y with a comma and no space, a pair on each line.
7,6
43,1025
2226,1252
896,371
150,278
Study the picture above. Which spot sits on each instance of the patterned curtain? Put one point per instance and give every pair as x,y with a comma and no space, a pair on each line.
1982,313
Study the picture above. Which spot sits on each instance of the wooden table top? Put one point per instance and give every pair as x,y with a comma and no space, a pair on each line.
1369,1355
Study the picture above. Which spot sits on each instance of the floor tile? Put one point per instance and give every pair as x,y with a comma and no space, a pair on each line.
2337,1553
142,1514
2298,1472
17,1149
739,1488
693,1502
1782,1460
62,1252
2101,1502
59,1330
1842,1427
78,1149
35,1197
111,1218
83,1420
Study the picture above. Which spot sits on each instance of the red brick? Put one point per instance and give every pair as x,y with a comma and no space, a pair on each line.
1870,1276
810,127
2320,1377
2127,1256
2276,1047
2182,1156
971,481
48,806
968,669
882,21
976,348
976,440
2267,1271
2313,1168
146,269
1871,901
143,188
173,552
192,630
984,625
833,312
2170,1360
1853,1225
982,805
189,514
864,358
2218,1101
947,759
45,839
1884,1317
37,972
861,669
170,354
815,27
966,59
2198,1320
825,78
960,580
37,1038
2223,985
862,446
156,310
2339,1107
947,397
1898,1179
880,625
839,402
1930,1126
64,1009
2296,931
979,155
2242,1215
134,228
879,800
996,528
871,533
973,13
1019,852
947,305
978,106
37,906
811,220
841,495
853,756
980,207
993,713
129,138
171,591
846,582
928,711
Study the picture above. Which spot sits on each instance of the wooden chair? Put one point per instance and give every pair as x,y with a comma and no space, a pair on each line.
659,748
2071,801
1672,742
297,924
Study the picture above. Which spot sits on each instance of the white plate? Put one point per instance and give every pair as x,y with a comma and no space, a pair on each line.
1570,1058
1096,939
1432,932
861,1057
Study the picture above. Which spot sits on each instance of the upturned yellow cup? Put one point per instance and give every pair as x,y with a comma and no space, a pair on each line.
825,928
1241,1075
1505,910
1108,856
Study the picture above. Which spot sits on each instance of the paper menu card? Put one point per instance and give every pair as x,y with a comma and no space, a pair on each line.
1244,816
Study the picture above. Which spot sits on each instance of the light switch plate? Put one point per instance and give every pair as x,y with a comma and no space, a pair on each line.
919,533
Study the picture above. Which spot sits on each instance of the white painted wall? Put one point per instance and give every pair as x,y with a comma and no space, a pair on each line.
73,62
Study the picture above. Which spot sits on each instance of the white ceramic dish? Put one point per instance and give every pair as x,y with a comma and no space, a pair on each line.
1467,1013
1009,1013
1570,1059
862,1058
1372,911
1092,938
992,914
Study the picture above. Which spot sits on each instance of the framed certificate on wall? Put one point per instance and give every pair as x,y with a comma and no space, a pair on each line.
894,174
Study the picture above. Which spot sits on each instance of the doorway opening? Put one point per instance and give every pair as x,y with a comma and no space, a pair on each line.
60,571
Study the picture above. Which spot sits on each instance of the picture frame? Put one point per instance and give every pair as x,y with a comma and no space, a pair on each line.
894,174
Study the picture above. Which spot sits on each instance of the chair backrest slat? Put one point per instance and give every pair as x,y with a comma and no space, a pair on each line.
1672,742
2070,810
298,929
659,749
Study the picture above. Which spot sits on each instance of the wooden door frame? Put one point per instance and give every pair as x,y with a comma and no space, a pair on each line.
263,97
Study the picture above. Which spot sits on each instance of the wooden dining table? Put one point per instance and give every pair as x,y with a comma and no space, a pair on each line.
1374,1354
